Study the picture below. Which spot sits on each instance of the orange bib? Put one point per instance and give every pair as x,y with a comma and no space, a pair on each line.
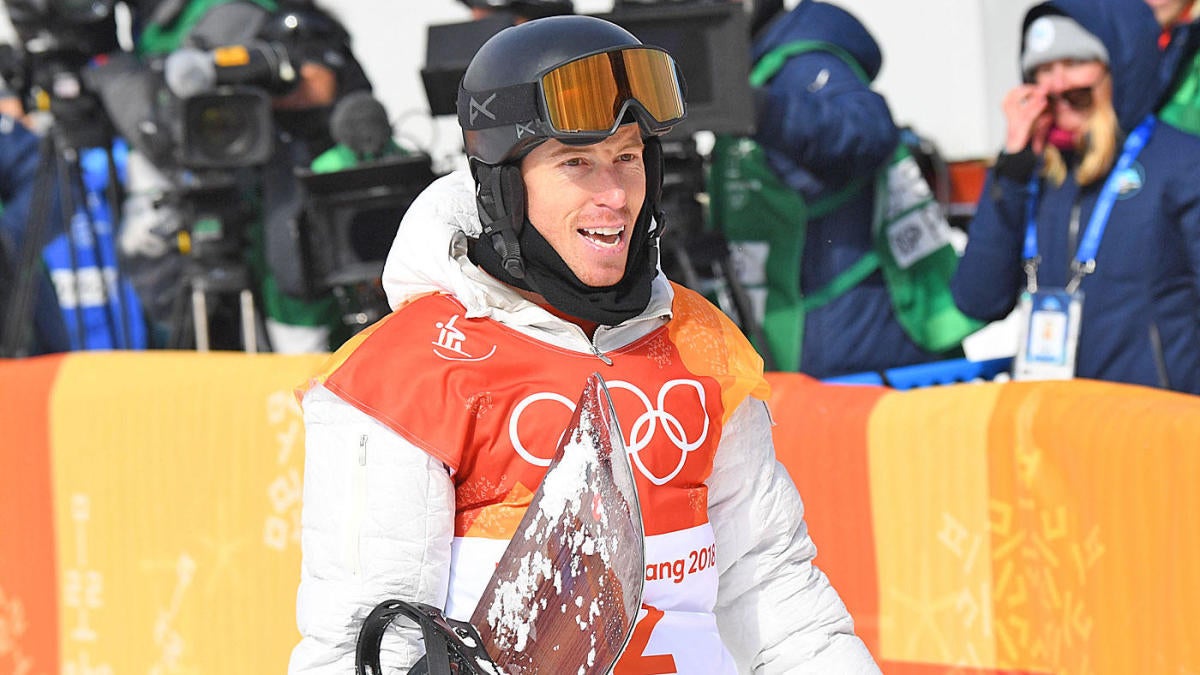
491,403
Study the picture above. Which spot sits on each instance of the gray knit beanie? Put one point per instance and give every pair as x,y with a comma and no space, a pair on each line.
1053,37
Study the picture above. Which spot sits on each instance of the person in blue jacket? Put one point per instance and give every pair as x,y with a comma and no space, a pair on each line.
1080,143
19,159
825,132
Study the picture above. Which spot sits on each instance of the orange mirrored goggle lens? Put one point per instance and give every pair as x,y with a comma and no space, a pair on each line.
587,95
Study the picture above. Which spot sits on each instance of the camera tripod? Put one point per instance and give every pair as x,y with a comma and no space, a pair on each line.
98,308
211,241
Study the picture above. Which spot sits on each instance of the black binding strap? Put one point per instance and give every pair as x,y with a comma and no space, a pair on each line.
451,647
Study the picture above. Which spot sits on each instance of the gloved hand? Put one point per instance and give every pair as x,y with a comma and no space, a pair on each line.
149,227
148,230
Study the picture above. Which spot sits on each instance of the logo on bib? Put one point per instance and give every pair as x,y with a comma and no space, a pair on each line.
653,419
449,343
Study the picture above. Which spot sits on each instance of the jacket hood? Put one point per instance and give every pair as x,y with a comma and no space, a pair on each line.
823,22
1129,32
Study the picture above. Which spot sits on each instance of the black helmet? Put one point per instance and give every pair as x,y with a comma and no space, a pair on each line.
567,77
576,79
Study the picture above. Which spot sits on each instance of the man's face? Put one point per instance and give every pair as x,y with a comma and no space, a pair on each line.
584,199
317,88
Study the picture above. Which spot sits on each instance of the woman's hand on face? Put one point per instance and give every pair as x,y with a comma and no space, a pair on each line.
1029,117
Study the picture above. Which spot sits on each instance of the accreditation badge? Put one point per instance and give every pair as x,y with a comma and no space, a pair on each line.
1050,334
917,235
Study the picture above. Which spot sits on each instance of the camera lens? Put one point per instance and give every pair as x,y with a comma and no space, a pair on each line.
223,129
226,130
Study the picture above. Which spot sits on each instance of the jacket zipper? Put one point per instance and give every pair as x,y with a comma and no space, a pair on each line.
599,354
1073,235
1160,361
350,545
596,350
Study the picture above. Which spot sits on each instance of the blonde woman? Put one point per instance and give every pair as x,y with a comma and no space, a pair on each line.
1091,216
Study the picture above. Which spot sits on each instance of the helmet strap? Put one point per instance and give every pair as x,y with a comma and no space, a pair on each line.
500,196
652,159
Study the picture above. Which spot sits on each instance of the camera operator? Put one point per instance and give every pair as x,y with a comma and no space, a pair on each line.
299,320
19,159
300,56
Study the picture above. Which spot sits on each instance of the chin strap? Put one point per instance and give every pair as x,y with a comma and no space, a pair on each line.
652,159
500,195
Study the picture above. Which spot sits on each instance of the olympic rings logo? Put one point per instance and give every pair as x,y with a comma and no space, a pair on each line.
640,433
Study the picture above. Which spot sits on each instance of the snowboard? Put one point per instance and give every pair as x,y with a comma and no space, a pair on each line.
567,590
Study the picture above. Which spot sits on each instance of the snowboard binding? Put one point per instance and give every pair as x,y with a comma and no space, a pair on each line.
451,647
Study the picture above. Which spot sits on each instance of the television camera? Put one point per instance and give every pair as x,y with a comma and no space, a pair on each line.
212,133
347,218
59,38
71,65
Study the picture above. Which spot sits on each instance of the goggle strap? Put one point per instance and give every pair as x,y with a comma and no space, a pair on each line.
493,108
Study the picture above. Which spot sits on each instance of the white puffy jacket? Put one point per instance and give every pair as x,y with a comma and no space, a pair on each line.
378,514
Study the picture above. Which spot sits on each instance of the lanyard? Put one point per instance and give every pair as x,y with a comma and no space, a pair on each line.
1085,256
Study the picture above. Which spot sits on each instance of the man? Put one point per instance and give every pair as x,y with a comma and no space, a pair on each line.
297,320
842,284
1170,14
510,285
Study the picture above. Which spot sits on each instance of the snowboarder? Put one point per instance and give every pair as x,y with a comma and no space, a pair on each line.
511,283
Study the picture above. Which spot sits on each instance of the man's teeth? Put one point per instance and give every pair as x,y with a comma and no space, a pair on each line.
604,235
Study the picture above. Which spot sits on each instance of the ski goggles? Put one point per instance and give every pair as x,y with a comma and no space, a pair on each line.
584,99
588,97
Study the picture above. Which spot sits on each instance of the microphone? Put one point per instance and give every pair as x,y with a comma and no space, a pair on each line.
360,122
190,71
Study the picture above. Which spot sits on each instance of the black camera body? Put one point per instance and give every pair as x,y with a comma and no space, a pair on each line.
223,110
83,27
59,38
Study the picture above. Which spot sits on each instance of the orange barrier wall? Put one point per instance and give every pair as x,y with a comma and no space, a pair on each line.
1020,527
149,513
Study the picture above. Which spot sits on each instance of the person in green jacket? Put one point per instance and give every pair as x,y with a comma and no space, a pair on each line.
1180,20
